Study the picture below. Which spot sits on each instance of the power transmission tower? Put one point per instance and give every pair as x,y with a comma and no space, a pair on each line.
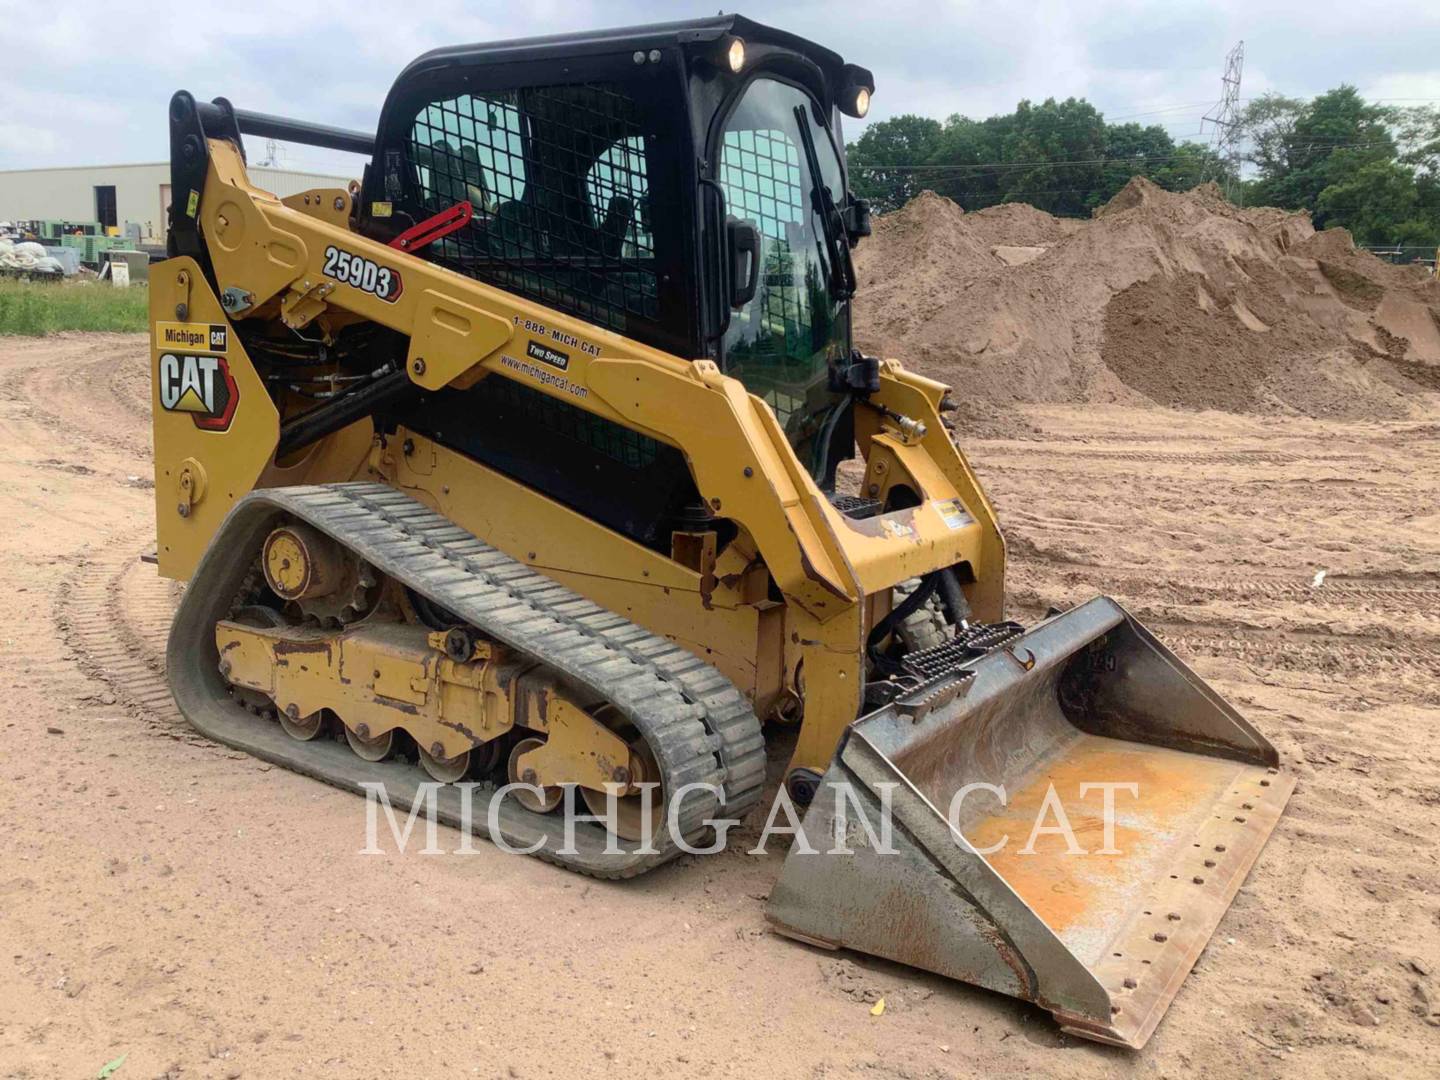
271,154
1225,116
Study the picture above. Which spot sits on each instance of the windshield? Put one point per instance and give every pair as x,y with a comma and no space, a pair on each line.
781,344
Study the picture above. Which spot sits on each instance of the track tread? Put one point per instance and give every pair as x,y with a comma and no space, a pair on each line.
700,727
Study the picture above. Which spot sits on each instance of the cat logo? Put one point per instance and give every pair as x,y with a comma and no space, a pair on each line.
201,386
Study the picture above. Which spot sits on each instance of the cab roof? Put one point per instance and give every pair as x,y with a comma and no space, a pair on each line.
690,32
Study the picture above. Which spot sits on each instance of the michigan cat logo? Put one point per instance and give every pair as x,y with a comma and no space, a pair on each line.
201,386
185,335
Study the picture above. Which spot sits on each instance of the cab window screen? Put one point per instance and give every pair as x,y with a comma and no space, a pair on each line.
559,179
619,173
782,343
469,148
760,173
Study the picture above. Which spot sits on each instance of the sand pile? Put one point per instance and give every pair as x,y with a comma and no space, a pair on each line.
1177,299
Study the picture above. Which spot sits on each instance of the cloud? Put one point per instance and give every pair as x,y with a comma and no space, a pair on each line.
20,139
64,101
1404,87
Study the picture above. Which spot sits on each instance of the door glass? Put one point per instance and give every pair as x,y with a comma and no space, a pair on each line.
782,342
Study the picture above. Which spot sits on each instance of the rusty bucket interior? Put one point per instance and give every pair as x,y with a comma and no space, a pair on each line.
1003,867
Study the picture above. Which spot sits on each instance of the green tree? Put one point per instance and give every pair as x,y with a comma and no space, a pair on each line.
1192,164
1060,156
1378,201
1417,132
1372,169
964,159
1308,147
1132,150
1269,123
1054,154
902,141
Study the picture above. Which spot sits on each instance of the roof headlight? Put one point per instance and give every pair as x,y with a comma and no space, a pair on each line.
735,55
856,87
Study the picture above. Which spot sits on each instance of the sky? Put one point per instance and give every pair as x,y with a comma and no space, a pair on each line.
87,83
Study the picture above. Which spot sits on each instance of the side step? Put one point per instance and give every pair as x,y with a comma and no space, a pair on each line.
1100,934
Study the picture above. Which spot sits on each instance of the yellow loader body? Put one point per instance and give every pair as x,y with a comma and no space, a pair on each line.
454,500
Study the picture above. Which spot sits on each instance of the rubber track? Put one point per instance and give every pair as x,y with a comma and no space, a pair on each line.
700,727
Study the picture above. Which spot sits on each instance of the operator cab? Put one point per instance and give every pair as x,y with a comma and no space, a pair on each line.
682,184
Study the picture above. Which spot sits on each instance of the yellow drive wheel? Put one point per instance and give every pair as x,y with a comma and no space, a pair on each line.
301,561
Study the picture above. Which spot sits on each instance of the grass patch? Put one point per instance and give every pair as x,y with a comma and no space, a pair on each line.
34,309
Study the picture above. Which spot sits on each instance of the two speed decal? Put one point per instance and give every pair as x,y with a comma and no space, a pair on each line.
363,274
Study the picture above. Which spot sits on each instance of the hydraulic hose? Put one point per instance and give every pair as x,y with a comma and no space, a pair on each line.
337,413
902,611
952,598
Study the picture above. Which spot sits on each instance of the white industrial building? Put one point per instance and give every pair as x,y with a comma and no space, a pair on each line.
118,194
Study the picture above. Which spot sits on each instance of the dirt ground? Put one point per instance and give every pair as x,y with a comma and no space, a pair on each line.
210,916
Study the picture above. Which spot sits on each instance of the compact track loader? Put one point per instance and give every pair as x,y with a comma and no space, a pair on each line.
515,463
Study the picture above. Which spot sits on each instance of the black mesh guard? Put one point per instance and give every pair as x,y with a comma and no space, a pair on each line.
559,180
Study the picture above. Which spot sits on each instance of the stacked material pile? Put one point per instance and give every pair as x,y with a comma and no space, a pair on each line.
28,258
1175,299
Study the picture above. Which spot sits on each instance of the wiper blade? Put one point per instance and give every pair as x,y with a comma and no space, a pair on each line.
841,268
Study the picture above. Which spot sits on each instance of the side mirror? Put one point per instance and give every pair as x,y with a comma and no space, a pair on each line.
857,220
861,376
743,240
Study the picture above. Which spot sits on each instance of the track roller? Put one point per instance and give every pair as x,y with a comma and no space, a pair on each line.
446,770
377,748
300,727
549,798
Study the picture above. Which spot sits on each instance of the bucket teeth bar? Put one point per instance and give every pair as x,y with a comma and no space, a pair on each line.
1068,827
970,644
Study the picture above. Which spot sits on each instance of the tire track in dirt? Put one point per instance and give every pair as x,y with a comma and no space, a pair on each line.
1407,592
111,425
1049,454
1336,593
1323,644
1300,650
1332,592
114,613
131,387
59,393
